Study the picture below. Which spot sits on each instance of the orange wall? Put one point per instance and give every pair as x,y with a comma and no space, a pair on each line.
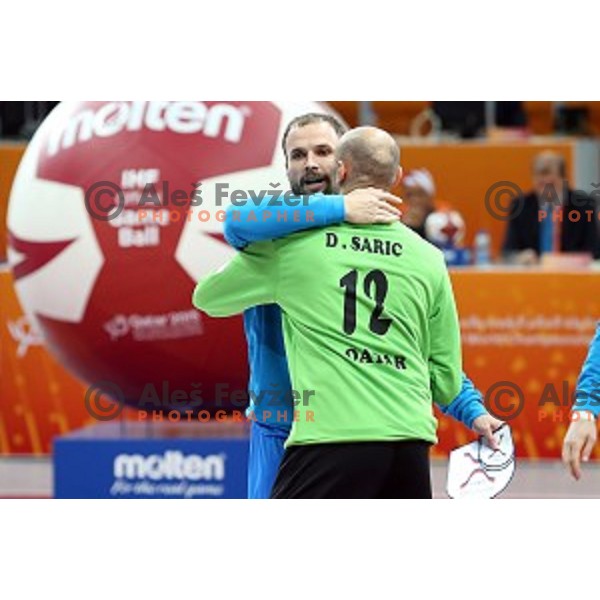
38,398
10,156
529,329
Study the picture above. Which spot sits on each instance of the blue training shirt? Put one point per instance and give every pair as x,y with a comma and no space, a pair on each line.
588,385
269,388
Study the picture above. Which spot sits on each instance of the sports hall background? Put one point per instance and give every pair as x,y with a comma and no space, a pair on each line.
528,325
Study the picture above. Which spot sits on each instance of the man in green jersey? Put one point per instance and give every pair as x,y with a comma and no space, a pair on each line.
372,338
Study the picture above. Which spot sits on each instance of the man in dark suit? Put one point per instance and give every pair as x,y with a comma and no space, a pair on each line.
552,218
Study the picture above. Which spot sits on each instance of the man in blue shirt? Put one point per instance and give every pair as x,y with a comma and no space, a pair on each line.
309,144
582,433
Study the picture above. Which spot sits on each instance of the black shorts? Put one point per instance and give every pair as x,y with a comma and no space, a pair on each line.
355,470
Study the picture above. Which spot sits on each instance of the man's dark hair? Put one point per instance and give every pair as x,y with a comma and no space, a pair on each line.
309,119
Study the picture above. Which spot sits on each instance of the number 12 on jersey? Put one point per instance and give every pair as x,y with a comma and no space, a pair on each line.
375,286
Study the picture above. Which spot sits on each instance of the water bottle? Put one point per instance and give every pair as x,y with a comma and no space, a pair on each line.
483,242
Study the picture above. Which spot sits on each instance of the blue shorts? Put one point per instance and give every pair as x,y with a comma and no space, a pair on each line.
266,452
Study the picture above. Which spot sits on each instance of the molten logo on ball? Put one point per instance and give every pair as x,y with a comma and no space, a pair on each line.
113,297
180,117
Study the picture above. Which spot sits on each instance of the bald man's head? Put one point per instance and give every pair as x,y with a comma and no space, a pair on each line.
369,157
548,172
549,161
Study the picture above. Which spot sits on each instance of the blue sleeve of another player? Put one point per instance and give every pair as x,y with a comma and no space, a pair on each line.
588,386
467,406
251,223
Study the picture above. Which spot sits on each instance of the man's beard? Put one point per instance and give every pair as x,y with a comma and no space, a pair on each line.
299,188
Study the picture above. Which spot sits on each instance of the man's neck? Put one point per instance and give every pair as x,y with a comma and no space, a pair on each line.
346,189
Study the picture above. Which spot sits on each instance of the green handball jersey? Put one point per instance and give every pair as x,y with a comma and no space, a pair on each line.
370,326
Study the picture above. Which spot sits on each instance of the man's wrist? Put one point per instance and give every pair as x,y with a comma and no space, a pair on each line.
582,415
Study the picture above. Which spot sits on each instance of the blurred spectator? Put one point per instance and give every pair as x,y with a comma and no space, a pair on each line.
19,120
12,117
551,218
510,114
433,220
418,193
468,119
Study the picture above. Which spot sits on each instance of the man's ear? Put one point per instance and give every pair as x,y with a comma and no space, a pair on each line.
342,172
398,177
